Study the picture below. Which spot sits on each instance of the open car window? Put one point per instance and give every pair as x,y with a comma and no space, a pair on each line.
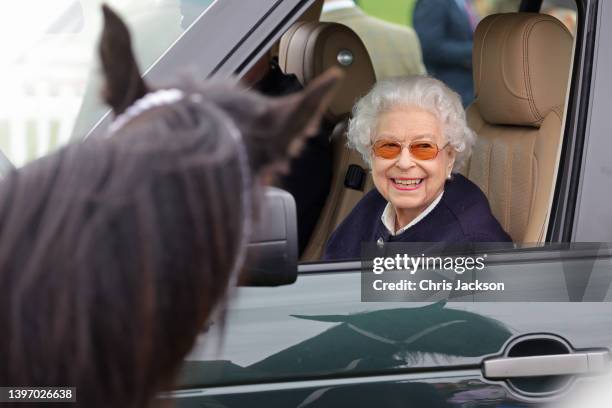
66,90
514,208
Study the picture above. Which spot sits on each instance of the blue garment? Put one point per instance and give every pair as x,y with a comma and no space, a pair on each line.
446,36
462,216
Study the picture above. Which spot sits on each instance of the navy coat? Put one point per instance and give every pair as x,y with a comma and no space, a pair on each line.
462,216
446,37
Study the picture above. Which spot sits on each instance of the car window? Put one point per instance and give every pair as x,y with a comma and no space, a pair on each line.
49,65
429,31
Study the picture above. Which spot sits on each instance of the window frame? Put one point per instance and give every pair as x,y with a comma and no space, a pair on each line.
564,198
566,193
266,20
261,24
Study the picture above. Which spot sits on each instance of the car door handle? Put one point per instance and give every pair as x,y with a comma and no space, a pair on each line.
591,362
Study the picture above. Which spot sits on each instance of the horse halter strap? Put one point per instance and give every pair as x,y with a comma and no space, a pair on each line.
169,96
149,101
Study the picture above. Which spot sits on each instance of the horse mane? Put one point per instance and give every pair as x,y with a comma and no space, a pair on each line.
113,254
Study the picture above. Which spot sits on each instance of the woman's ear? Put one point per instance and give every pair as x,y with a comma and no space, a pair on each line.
452,155
123,82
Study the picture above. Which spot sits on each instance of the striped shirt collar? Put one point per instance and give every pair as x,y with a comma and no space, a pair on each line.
388,216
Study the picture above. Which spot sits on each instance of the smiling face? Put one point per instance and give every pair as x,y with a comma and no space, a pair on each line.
410,185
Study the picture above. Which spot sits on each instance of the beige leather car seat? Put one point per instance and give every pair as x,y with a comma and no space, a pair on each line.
307,49
521,70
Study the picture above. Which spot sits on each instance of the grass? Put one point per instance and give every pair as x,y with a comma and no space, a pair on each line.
394,11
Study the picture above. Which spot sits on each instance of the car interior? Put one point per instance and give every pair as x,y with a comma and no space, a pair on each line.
521,69
307,50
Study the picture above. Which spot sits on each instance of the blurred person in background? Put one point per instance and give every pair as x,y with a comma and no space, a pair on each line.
394,50
446,31
486,7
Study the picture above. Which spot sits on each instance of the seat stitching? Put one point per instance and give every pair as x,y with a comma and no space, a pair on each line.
526,76
483,42
488,167
541,234
534,187
509,185
559,111
537,114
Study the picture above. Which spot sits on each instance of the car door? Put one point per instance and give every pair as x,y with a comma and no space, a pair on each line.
315,343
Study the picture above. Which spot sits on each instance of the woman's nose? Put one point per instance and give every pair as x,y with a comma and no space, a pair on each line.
405,160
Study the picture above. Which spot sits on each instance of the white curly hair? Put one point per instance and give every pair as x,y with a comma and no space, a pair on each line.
424,92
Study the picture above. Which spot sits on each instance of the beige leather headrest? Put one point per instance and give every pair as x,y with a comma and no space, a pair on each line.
312,14
521,67
307,49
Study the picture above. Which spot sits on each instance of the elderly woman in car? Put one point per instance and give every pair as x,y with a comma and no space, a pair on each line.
413,134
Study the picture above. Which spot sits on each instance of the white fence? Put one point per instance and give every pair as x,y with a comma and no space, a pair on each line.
37,119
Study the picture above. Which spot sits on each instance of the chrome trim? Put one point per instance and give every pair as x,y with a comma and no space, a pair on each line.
289,385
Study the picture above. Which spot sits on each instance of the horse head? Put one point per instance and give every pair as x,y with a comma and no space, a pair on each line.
114,252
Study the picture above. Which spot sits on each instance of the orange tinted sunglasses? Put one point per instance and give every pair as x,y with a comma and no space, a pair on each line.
419,149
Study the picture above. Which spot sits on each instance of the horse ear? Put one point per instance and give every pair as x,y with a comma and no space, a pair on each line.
298,116
123,82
